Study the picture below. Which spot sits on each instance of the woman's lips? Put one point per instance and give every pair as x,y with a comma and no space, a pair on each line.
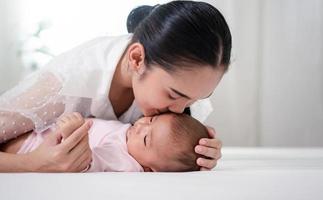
152,113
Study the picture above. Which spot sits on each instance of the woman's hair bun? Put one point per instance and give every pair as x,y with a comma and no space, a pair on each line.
137,15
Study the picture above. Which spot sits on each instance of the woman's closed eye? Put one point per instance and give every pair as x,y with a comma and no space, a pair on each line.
171,97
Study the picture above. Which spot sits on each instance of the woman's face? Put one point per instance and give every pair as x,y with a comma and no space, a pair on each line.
158,91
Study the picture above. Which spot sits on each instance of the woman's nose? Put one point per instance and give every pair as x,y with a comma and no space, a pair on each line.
180,106
177,108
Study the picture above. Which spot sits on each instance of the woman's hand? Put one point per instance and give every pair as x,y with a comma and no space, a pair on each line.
210,148
72,155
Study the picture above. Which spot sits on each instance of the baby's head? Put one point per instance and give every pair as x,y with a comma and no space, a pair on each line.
166,142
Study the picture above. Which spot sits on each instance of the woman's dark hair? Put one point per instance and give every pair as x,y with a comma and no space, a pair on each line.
137,15
181,33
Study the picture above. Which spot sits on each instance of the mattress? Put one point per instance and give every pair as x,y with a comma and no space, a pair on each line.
242,173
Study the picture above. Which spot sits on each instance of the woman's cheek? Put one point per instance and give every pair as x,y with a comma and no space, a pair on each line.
160,103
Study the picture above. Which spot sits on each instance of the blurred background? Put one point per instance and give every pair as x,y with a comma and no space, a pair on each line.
271,96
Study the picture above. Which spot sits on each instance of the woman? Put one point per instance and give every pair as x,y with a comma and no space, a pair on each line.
176,56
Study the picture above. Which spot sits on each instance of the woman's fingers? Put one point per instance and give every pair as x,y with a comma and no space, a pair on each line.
210,148
208,152
84,162
211,131
206,164
80,148
79,162
212,143
77,155
76,137
204,169
81,152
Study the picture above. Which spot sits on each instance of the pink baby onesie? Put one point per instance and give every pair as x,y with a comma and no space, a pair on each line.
107,141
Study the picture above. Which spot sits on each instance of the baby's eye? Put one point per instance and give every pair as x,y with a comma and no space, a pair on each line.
145,139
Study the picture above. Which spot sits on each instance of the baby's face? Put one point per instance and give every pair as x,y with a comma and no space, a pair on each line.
148,141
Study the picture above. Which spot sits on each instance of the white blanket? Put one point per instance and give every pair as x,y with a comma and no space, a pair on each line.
242,173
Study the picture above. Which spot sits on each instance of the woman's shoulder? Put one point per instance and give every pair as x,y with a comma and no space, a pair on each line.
86,70
94,46
105,41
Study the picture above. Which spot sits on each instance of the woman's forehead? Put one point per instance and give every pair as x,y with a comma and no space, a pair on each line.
195,83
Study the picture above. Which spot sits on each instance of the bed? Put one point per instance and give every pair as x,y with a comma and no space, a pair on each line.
242,173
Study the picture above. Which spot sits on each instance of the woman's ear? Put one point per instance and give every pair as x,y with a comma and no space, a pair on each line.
136,58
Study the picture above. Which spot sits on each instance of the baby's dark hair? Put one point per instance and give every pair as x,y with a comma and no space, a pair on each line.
185,134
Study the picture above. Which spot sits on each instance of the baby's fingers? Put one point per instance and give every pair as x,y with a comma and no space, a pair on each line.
75,137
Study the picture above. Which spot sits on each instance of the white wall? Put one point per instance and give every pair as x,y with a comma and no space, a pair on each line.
235,100
292,74
273,93
10,65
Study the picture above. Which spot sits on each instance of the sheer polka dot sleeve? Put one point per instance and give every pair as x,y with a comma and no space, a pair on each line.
34,103
71,82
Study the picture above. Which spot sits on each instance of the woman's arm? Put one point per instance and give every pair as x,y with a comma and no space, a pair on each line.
14,163
13,125
34,103
72,155
211,148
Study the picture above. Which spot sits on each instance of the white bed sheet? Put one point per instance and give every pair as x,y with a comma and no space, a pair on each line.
242,173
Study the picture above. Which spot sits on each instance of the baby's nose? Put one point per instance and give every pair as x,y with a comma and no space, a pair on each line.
141,128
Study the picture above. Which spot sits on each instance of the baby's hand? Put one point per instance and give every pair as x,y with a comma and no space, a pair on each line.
68,123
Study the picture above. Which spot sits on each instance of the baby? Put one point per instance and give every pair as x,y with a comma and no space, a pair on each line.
160,143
